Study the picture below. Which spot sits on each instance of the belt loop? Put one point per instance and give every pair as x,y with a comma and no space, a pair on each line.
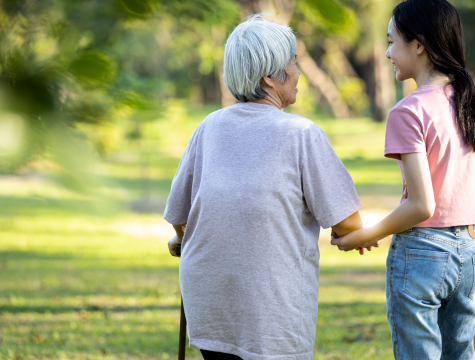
457,231
471,231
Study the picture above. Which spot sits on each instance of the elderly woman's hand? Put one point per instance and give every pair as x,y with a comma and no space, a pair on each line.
361,249
177,239
172,245
355,240
350,241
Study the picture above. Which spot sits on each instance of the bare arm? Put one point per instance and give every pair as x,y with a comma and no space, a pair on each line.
418,207
180,231
351,223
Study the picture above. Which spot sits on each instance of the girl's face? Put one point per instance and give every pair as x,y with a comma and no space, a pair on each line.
404,56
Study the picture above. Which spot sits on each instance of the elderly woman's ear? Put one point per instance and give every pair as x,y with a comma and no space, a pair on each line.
267,82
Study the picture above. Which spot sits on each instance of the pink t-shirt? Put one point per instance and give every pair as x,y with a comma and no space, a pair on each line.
425,121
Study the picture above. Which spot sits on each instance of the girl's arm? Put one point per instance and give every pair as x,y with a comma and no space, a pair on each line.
418,207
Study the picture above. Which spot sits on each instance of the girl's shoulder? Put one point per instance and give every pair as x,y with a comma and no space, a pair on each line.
427,100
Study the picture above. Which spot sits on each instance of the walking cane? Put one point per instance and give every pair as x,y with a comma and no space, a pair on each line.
182,340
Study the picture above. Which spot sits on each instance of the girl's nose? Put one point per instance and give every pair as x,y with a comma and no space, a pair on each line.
387,54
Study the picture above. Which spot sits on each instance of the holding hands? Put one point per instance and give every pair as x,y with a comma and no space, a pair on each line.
350,235
355,240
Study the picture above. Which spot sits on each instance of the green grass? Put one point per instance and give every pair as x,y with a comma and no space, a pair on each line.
84,277
73,287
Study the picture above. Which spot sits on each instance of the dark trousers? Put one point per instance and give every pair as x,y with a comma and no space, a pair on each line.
213,355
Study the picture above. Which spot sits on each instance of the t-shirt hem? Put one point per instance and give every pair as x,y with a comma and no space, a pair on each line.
245,355
174,220
336,219
395,153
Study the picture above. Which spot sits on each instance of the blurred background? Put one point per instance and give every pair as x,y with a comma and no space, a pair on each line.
97,102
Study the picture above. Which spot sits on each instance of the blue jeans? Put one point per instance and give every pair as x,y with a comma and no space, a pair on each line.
430,292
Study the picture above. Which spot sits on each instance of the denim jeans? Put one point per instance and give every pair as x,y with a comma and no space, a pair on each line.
430,292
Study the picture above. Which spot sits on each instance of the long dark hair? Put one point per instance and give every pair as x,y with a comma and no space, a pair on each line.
436,24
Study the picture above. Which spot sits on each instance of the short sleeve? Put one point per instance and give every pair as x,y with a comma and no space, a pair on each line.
328,189
179,201
404,134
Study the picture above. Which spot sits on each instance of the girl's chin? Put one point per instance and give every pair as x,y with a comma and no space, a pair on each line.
399,77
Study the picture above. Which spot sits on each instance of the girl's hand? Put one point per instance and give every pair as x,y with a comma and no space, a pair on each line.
360,249
353,240
375,243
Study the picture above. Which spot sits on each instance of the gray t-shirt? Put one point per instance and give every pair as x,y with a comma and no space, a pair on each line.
254,185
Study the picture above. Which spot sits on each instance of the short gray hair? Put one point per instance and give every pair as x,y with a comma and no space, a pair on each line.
256,48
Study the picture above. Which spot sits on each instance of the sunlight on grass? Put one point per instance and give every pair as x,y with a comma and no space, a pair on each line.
103,290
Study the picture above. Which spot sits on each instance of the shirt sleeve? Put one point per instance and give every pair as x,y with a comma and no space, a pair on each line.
179,201
404,134
328,189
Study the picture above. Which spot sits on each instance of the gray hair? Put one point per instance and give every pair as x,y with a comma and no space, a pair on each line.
256,48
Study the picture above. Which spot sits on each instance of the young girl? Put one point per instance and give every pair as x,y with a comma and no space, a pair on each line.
430,286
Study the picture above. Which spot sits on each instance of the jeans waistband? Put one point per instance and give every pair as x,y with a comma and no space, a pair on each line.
453,228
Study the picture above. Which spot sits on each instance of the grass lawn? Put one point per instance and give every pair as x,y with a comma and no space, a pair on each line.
81,282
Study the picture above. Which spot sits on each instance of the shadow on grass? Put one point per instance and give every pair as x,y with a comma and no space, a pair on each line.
31,206
344,270
79,259
52,309
346,308
359,163
375,283
15,256
137,184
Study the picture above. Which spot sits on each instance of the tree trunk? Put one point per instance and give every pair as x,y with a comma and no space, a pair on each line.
319,79
385,91
278,11
385,83
336,62
281,12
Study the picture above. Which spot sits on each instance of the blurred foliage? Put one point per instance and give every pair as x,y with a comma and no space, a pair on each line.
76,71
353,92
69,62
327,18
305,104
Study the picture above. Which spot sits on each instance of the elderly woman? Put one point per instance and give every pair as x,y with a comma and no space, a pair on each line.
253,188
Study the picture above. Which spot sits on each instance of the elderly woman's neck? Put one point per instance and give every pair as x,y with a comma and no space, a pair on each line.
270,100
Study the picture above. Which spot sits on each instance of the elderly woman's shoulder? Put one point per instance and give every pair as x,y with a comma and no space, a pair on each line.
293,123
302,123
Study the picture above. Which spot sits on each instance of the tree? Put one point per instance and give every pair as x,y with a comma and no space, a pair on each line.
63,63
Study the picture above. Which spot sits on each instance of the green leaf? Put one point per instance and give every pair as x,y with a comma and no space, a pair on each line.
93,69
135,8
330,11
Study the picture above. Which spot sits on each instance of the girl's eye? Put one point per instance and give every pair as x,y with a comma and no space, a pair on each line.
389,43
